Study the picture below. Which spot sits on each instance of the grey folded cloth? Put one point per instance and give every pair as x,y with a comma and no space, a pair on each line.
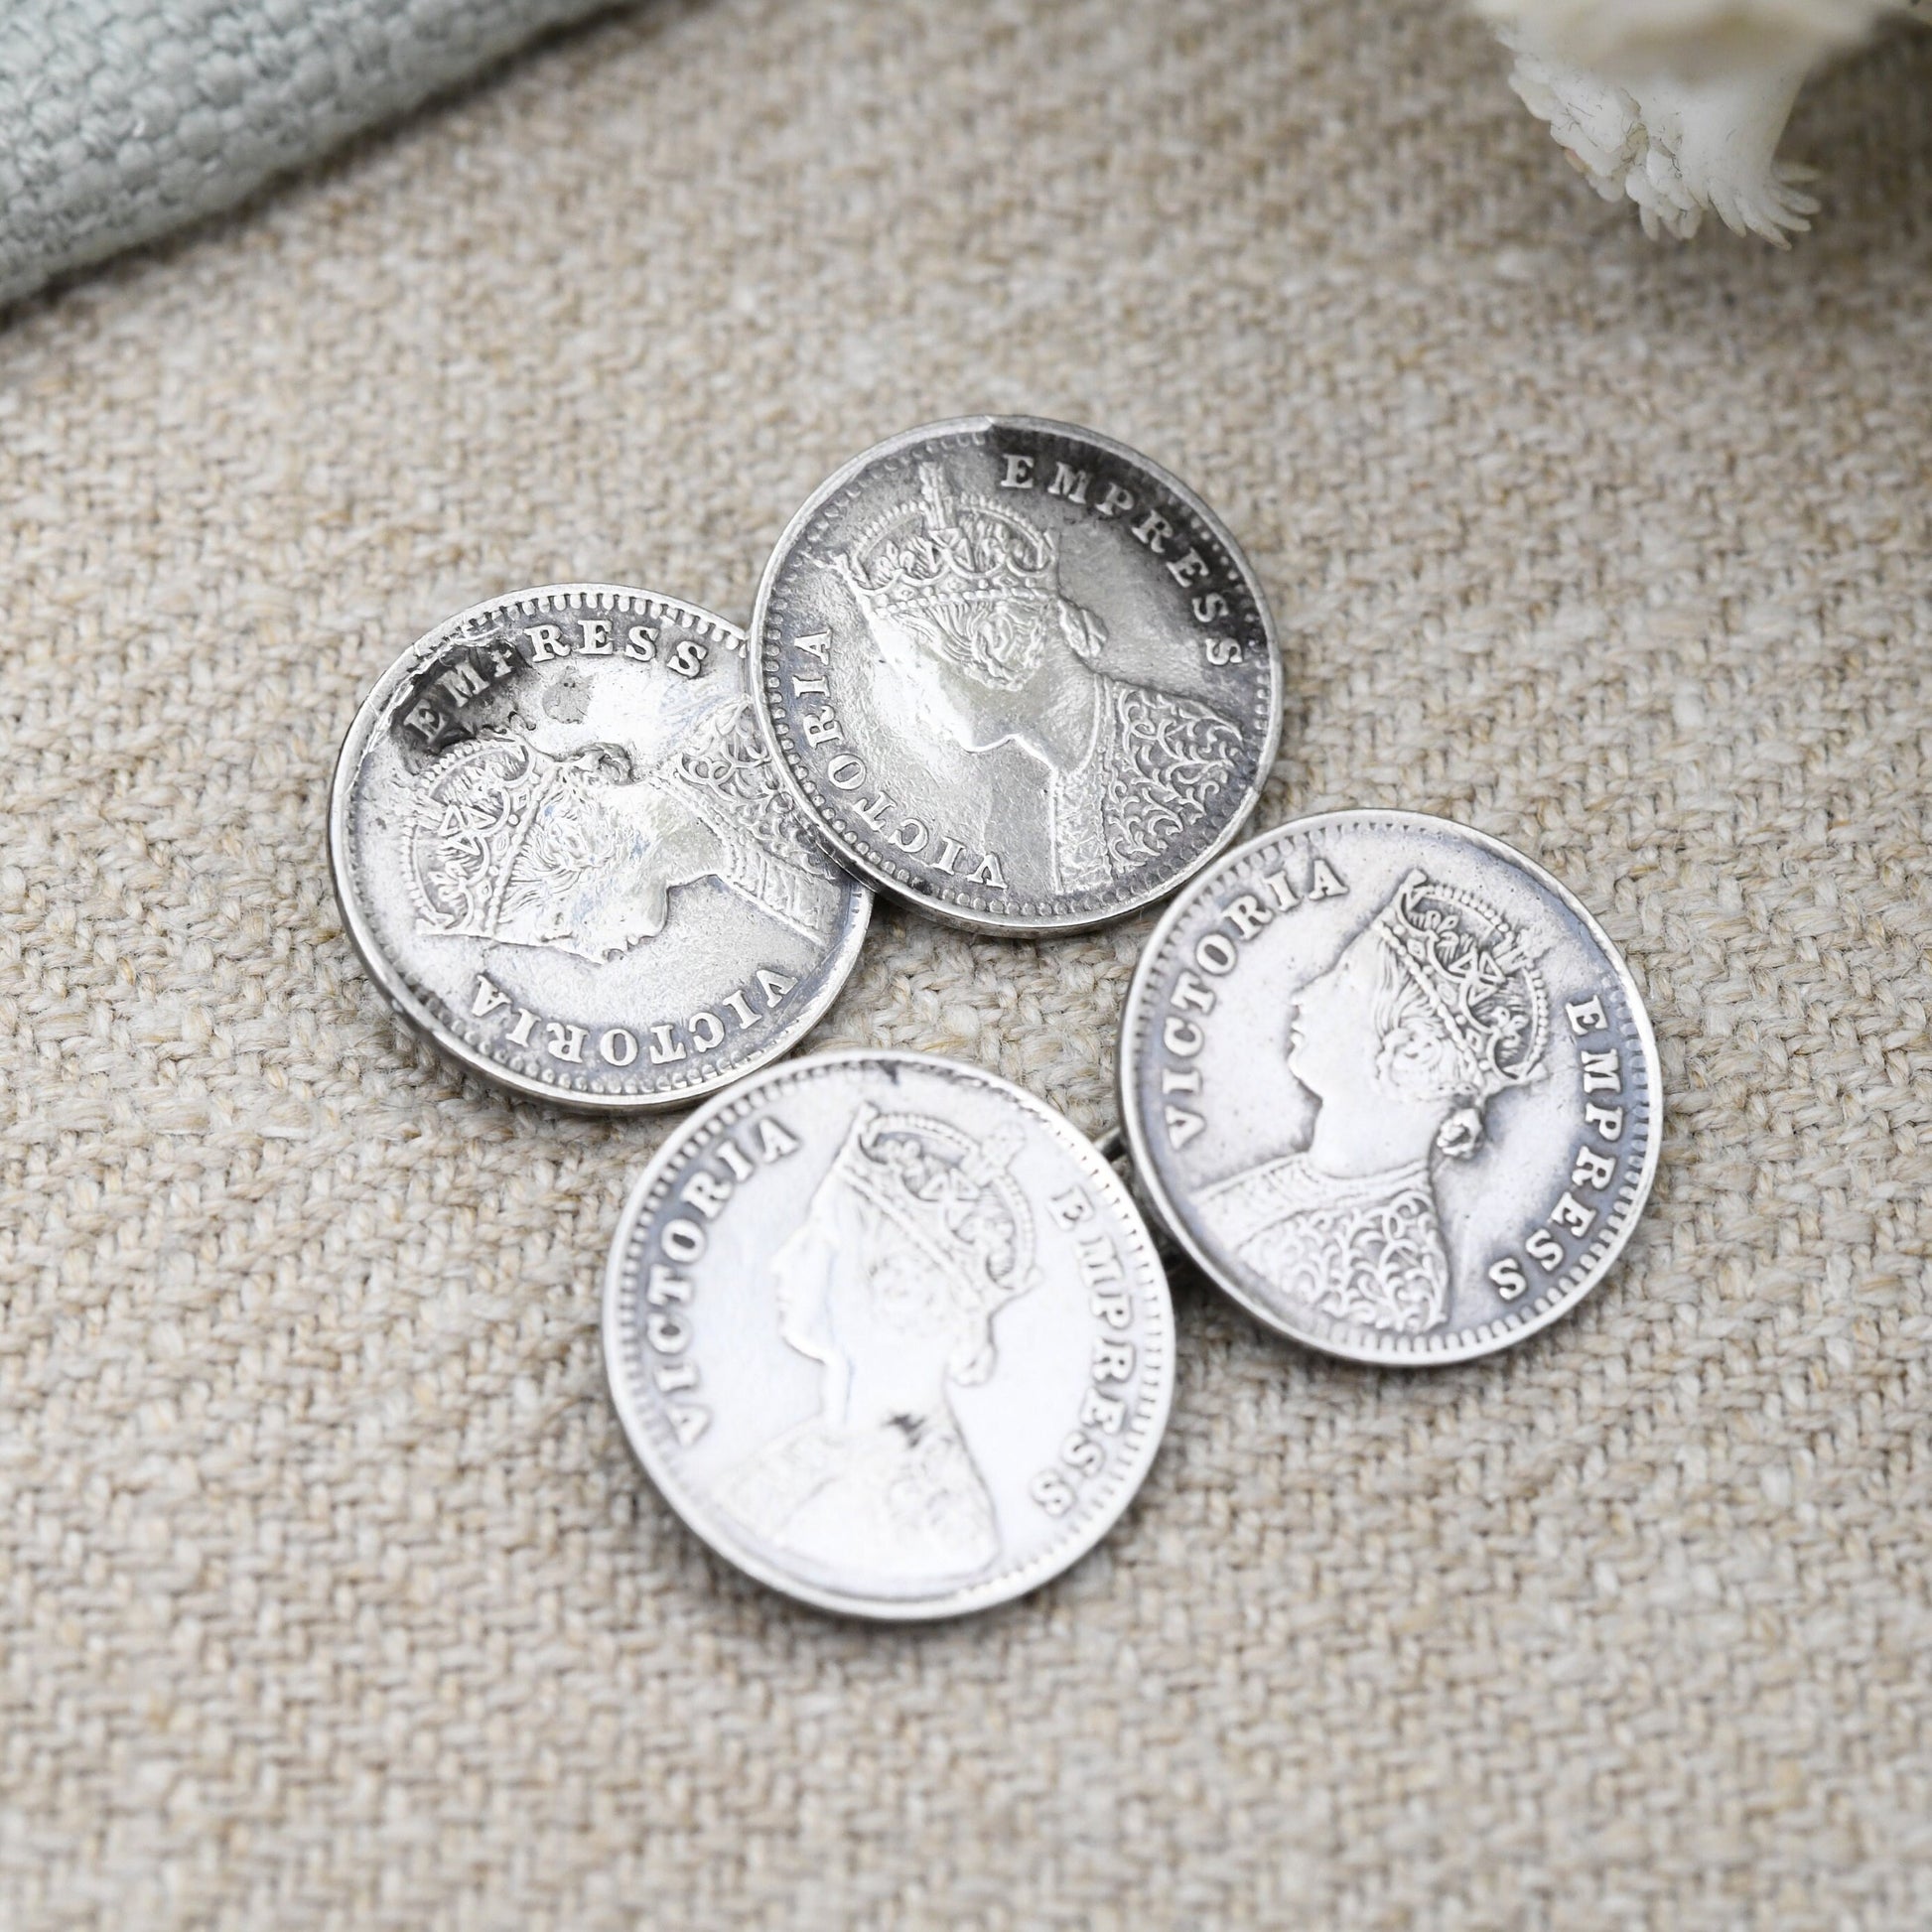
120,119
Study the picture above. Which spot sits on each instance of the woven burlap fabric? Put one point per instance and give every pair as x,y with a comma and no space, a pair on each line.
332,1595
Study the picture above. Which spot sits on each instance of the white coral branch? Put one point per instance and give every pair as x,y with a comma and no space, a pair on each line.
1676,148
1680,104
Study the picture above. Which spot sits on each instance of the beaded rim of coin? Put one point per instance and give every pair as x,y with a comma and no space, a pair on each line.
1584,1270
652,1438
420,1013
959,907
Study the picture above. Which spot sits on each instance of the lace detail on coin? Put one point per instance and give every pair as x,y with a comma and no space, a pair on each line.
565,851
889,1335
1017,673
1391,1086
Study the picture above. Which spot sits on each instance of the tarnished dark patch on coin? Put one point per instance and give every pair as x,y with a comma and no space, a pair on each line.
888,1333
1391,1086
563,850
1020,674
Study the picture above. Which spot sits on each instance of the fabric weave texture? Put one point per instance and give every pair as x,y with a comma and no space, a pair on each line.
332,1595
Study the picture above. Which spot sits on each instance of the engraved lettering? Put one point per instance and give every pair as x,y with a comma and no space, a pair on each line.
774,986
813,645
1186,570
425,720
1247,914
593,639
873,811
664,1045
689,657
845,773
519,1034
1115,500
1572,1215
618,1048
1222,651
732,1156
1211,607
1324,884
669,1334
665,1287
742,1014
1280,891
1113,1361
1154,530
1544,1250
641,644
1099,1411
1608,1121
1050,1492
987,873
688,1421
1509,1279
488,998
774,1142
1187,1082
950,853
1181,1126
820,727
1587,1017
912,844
1070,483
462,682
565,1042
1600,1072
707,1030
810,687
1018,474
1071,1208
1592,1170
682,1239
1182,1038
1191,994
1080,1453
672,1378
546,643
706,1193
1099,1261
1215,954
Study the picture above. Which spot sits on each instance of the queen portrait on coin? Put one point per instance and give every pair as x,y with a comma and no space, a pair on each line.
579,852
911,1246
1428,1014
962,596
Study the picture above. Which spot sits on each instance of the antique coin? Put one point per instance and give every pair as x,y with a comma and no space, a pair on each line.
1021,675
564,853
1391,1086
889,1335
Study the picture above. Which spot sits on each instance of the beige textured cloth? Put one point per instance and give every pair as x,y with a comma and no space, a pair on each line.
332,1595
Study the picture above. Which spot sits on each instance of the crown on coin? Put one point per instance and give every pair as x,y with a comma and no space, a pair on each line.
477,811
946,551
951,1195
1478,975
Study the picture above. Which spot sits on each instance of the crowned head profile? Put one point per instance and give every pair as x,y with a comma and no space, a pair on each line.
1433,1009
913,1242
579,851
967,584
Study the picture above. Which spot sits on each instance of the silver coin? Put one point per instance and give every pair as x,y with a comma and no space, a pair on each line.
889,1335
1019,675
563,854
1391,1086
